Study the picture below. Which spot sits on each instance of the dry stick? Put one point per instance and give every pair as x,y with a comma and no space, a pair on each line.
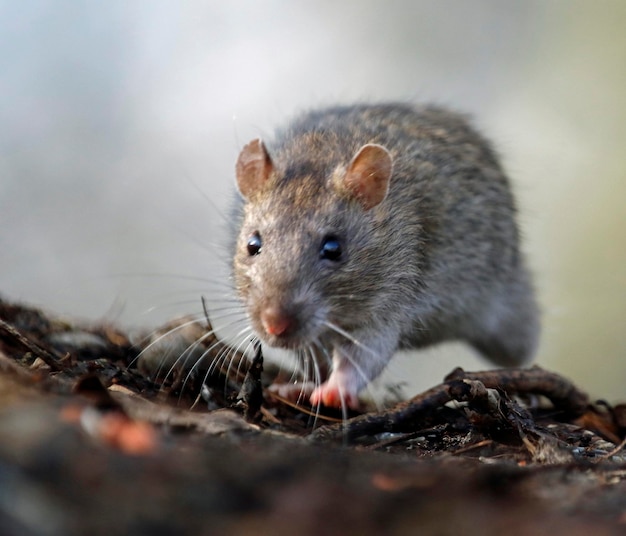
206,313
563,394
389,420
251,392
612,453
535,380
301,409
47,357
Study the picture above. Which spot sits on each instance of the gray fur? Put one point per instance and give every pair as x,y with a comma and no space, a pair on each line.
438,259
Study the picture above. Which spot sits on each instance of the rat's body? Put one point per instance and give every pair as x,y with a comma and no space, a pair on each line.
371,228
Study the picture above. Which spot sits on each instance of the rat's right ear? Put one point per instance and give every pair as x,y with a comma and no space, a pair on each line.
254,167
368,175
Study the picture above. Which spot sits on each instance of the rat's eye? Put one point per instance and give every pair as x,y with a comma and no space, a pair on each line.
331,248
254,244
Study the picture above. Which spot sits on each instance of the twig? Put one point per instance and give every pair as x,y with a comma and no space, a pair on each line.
613,452
301,409
251,393
473,446
535,380
206,313
391,420
463,386
47,357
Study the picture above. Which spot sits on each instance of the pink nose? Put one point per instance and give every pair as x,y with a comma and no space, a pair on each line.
275,321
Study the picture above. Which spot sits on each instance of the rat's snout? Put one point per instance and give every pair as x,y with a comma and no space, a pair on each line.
277,321
286,318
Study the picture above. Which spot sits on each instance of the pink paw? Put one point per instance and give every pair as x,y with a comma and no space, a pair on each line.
331,396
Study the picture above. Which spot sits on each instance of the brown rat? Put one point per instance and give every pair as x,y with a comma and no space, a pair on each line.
372,228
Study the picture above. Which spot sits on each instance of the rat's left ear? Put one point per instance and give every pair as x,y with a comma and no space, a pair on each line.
254,167
368,174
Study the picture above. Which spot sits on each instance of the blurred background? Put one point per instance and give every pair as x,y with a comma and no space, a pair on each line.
120,123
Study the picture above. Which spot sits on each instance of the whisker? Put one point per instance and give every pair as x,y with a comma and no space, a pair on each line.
317,380
188,353
215,208
248,347
162,275
226,353
351,360
349,337
306,364
161,337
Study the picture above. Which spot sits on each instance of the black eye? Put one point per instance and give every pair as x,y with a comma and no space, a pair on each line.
331,248
254,244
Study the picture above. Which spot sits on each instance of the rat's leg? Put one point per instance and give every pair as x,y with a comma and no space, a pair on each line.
355,364
508,332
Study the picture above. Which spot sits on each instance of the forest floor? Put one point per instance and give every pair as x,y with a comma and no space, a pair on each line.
89,444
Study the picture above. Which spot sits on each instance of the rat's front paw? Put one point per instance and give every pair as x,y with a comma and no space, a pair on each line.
330,395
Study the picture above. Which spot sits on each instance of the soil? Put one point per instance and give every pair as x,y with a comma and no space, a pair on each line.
94,439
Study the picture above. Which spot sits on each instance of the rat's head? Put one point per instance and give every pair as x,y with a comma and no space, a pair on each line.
305,240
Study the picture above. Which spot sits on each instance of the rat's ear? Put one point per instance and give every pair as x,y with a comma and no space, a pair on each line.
254,167
368,174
